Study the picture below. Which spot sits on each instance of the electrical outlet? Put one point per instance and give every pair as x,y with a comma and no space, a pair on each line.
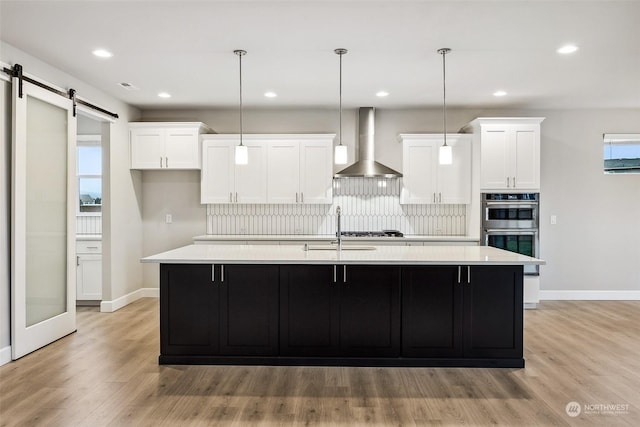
168,219
554,220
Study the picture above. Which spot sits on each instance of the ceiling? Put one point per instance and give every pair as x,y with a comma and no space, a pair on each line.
186,48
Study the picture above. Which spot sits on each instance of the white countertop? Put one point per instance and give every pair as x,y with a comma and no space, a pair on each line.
385,255
329,237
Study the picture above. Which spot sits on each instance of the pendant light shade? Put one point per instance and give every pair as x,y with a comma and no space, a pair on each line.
446,152
242,153
340,152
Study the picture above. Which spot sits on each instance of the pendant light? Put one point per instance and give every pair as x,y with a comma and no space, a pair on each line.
340,154
242,153
446,153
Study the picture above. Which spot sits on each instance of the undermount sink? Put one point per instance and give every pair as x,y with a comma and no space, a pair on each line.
344,248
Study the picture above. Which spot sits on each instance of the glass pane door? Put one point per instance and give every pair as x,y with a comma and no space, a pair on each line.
43,185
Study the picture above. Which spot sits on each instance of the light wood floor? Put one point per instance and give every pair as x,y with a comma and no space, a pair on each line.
107,374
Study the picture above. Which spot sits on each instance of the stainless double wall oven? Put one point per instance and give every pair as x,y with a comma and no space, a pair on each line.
510,221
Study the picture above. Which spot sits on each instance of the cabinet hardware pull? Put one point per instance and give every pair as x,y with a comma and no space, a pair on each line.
514,182
439,197
296,197
507,182
77,261
213,272
459,273
236,197
344,274
166,162
92,247
222,272
230,198
434,197
469,274
301,197
335,274
160,161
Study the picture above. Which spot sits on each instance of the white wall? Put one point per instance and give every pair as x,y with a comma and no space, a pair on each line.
122,220
594,246
5,203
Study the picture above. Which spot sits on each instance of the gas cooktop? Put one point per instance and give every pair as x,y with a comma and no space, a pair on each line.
383,233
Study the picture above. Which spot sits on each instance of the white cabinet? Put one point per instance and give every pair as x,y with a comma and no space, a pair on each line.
222,181
300,170
424,180
165,145
282,169
509,153
88,270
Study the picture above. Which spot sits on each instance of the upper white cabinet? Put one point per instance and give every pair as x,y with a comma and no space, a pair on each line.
300,169
222,181
282,169
509,152
165,145
425,181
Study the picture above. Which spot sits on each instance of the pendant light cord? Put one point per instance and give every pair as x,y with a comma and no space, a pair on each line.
340,52
444,52
240,54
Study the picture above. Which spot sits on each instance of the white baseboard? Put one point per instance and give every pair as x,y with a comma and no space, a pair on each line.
118,303
590,295
5,355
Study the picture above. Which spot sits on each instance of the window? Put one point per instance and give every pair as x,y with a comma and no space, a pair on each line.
621,153
89,167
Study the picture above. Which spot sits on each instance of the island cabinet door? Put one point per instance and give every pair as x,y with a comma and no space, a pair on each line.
369,311
431,312
249,310
493,312
188,310
309,315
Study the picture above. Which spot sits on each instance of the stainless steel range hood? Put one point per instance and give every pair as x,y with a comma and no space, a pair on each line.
366,166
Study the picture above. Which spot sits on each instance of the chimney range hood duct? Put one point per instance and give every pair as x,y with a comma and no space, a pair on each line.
366,166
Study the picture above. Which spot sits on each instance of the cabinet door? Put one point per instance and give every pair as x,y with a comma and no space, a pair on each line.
249,310
369,311
147,148
283,172
495,171
526,157
89,277
493,312
454,180
217,177
316,172
182,148
188,309
431,312
419,174
309,315
251,179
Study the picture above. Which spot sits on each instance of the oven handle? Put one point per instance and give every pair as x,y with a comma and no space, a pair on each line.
512,231
503,204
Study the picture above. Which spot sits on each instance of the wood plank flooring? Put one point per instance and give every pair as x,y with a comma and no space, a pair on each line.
107,374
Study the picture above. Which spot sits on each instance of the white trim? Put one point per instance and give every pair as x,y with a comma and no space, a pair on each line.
118,303
585,295
5,355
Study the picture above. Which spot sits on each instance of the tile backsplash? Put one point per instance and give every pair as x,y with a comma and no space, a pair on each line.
367,204
88,224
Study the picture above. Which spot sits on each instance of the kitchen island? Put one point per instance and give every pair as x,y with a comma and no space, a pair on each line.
388,306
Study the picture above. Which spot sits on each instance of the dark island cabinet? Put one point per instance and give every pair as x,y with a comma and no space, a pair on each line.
218,310
473,312
348,311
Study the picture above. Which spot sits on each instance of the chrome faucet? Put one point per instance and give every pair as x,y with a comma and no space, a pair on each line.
339,232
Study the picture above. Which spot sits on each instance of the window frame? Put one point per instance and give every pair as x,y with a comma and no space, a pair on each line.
87,141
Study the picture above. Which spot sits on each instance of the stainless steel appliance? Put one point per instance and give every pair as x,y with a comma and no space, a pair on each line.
383,233
510,221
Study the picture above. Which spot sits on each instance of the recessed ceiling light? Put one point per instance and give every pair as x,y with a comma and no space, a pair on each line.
270,94
164,95
382,94
102,53
499,93
128,86
569,48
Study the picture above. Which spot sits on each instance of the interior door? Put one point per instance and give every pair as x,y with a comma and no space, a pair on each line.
43,276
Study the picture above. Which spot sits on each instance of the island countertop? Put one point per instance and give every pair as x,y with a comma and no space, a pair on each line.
381,255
